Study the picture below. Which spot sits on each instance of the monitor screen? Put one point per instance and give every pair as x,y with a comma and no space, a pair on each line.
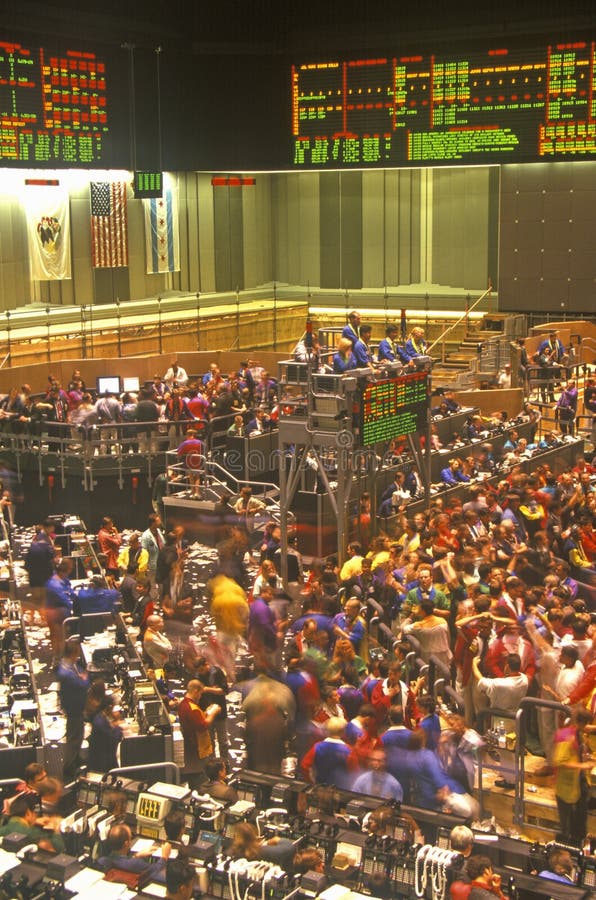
109,384
130,383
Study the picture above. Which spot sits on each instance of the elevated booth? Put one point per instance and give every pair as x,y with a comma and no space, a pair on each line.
335,439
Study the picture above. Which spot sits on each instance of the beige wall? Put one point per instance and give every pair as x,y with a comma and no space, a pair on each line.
334,230
341,230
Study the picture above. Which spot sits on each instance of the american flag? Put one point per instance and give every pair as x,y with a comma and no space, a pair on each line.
109,243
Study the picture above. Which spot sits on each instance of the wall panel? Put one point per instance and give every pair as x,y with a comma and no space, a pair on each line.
556,208
351,230
206,230
373,229
336,230
279,237
294,230
460,220
330,212
310,229
263,230
393,234
250,240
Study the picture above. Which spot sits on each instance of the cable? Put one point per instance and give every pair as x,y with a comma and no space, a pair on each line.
420,878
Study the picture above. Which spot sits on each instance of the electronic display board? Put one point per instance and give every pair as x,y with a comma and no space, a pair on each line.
394,407
500,105
65,105
54,107
147,185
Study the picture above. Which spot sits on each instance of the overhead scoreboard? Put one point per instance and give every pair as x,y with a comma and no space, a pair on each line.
54,107
499,105
394,407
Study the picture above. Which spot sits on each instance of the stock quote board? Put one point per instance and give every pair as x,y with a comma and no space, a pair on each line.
495,106
56,108
393,407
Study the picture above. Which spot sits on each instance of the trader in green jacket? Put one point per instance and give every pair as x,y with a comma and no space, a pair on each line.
24,820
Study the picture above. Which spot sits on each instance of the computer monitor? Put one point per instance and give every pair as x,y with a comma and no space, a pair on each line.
130,383
108,383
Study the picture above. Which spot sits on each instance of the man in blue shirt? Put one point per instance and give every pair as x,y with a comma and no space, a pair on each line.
352,329
397,735
377,782
552,346
118,843
350,625
96,597
415,345
343,358
74,683
388,346
362,352
452,474
262,630
331,761
59,605
560,867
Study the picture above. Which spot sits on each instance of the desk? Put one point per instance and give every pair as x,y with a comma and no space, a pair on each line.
440,460
445,427
136,747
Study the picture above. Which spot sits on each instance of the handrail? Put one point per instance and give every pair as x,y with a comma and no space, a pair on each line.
442,667
457,698
527,703
5,360
434,683
9,782
481,716
461,318
268,486
133,770
414,642
391,639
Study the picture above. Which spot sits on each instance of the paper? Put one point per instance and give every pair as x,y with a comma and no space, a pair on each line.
83,880
155,890
105,890
142,845
7,861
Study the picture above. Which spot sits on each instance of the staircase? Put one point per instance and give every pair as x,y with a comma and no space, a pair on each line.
461,364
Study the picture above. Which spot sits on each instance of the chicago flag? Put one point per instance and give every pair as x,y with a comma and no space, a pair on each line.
162,241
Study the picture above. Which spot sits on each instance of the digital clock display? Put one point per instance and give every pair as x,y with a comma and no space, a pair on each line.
497,105
393,407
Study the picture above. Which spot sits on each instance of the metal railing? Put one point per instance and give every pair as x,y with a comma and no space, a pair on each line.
518,754
170,769
526,705
58,449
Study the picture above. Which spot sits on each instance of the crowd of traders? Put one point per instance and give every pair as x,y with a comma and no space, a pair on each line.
173,401
496,585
